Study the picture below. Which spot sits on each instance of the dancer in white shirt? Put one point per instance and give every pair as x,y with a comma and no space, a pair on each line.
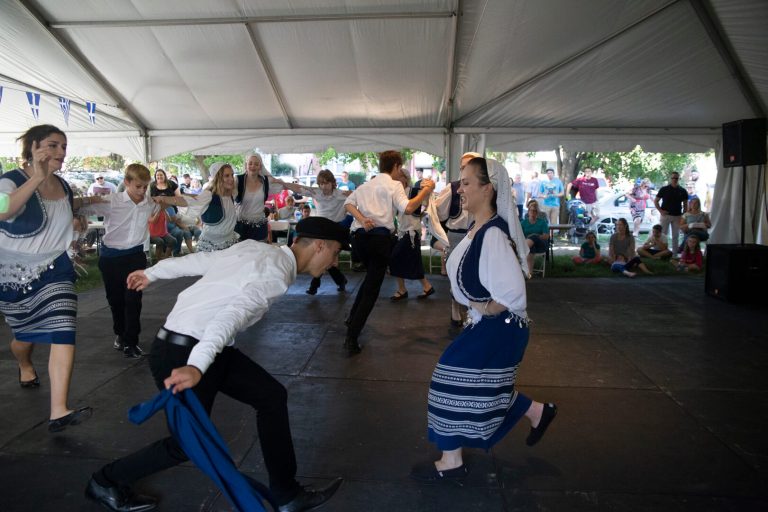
371,205
329,203
126,216
253,188
194,349
37,292
217,209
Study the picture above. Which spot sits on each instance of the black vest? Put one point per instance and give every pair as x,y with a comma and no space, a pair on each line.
33,217
241,187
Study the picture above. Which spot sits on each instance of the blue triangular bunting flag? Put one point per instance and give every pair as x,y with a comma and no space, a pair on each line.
34,104
91,105
64,103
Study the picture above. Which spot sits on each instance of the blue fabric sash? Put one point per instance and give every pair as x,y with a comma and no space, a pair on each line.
109,252
33,218
193,430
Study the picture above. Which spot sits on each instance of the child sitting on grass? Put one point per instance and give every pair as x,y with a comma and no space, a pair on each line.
655,246
691,260
590,251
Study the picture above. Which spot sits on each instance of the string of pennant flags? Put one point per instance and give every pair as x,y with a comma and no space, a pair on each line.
33,98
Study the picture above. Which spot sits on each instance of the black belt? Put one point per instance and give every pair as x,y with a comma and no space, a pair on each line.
175,338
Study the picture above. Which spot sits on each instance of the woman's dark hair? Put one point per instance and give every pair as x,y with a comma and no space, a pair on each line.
36,134
482,175
622,220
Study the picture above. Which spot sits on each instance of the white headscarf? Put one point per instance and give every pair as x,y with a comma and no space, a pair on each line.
506,208
214,168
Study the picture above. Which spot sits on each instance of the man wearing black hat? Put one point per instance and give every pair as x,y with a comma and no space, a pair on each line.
194,349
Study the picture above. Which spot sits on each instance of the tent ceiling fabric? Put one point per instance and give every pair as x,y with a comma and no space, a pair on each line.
371,74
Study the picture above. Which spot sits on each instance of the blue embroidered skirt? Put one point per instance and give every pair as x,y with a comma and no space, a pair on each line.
46,310
472,400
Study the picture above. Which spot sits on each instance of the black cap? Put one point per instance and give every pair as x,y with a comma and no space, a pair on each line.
323,229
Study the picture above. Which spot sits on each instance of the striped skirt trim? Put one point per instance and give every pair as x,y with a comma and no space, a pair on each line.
46,311
472,401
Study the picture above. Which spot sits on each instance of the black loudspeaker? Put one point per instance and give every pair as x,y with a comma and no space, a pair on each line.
737,273
744,142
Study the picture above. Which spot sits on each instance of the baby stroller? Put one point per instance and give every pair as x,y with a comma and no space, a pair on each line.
577,215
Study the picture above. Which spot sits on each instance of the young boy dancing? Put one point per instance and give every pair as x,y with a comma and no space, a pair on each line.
126,215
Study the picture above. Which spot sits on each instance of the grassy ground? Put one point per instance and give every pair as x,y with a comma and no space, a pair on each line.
91,279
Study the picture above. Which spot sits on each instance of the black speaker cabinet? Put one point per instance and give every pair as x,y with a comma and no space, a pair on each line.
744,142
737,273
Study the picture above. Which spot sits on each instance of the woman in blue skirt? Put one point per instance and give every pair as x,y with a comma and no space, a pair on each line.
37,293
472,400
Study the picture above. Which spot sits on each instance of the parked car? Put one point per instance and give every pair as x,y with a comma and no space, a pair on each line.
616,205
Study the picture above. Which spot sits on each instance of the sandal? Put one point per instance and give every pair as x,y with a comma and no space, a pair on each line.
399,296
426,293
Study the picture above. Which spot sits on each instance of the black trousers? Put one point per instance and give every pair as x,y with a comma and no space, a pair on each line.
374,251
124,303
335,273
237,376
252,232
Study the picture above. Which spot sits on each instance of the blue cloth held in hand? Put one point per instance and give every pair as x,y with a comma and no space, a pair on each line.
193,430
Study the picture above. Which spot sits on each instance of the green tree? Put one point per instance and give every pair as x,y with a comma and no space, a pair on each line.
185,161
369,160
638,164
281,168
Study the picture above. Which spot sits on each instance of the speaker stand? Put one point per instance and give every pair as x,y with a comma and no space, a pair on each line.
743,201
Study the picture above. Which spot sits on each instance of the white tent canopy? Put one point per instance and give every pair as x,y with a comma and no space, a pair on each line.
224,76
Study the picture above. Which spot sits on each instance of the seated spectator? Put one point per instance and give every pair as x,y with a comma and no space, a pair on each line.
288,211
695,222
306,211
158,235
536,231
621,251
589,254
691,260
195,188
180,232
655,246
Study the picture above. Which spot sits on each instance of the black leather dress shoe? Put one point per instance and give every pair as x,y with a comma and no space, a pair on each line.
119,499
352,346
310,499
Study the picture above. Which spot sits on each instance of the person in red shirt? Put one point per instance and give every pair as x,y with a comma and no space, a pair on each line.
587,186
159,235
691,259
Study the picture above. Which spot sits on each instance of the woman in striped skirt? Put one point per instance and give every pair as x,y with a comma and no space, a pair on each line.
37,295
472,398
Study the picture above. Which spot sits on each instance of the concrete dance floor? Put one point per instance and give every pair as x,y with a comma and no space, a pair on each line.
663,397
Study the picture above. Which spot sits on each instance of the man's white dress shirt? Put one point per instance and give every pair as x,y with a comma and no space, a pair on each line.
237,288
376,200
